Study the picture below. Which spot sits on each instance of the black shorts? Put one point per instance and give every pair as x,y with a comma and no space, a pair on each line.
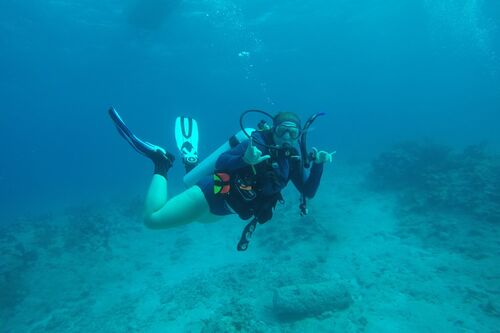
216,203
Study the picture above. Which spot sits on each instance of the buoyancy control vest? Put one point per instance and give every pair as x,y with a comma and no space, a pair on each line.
253,192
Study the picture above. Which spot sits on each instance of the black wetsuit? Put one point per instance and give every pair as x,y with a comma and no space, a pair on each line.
272,175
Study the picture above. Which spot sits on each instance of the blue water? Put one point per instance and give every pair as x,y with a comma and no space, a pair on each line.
383,71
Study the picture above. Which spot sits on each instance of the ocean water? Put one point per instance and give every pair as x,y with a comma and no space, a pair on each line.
402,236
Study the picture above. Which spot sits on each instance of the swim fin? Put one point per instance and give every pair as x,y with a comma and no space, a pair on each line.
186,137
156,153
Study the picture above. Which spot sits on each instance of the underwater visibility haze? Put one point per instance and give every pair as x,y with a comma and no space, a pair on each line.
402,235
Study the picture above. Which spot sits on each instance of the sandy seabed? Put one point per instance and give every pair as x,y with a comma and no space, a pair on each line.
96,268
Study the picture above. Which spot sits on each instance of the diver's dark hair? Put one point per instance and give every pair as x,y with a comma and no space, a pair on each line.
286,116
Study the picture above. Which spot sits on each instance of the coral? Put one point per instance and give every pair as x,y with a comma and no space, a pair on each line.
89,229
17,261
432,177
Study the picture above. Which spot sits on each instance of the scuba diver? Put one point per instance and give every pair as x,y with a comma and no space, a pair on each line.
244,176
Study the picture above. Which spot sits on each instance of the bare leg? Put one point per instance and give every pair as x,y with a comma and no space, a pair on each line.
187,207
160,212
156,197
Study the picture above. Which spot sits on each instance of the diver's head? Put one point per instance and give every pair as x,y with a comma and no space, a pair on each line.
286,129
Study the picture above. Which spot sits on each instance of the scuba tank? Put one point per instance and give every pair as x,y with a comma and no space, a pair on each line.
207,166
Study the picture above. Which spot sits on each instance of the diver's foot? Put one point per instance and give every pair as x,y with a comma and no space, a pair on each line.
162,159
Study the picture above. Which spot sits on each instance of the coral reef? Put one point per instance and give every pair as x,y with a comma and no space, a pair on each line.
432,177
351,266
18,258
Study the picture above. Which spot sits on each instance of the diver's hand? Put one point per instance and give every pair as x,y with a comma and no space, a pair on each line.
322,156
253,155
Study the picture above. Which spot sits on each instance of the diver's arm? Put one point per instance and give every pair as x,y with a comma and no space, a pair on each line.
310,185
244,154
232,159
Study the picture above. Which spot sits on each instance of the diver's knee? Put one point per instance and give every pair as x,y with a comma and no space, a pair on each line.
148,222
151,223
